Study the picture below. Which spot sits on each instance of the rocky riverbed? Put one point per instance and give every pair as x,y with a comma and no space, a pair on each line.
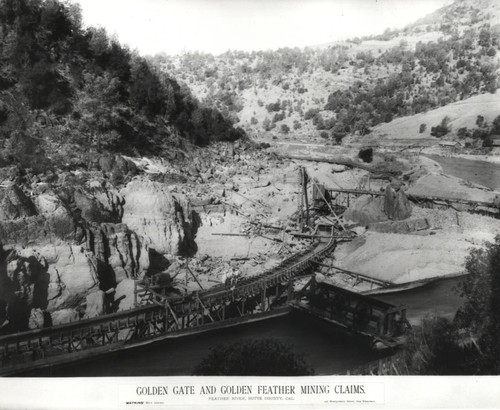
74,240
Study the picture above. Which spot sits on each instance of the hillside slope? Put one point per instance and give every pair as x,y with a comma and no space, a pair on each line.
62,84
461,114
349,87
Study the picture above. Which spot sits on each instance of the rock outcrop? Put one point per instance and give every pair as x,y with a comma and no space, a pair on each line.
162,219
14,203
119,252
70,273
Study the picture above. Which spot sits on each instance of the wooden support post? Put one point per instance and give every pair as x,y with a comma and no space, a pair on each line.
306,199
289,295
135,293
263,299
166,319
205,309
193,275
330,207
390,318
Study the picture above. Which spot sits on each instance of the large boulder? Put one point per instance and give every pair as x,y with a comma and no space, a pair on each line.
90,208
21,286
15,204
124,295
365,210
62,316
59,222
70,273
96,304
162,219
37,319
396,203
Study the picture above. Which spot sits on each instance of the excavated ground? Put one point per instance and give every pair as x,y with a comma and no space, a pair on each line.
74,242
263,191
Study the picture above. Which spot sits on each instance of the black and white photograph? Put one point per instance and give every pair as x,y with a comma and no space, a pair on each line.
249,202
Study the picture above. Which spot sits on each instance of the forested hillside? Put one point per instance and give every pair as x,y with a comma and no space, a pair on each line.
65,89
349,87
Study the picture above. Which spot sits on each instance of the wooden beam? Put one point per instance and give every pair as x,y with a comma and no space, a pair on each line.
329,206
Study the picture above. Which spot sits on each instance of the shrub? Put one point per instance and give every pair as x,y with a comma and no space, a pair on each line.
480,121
274,107
422,128
462,132
480,133
311,113
442,129
278,117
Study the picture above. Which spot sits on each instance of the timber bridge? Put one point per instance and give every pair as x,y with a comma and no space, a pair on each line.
157,317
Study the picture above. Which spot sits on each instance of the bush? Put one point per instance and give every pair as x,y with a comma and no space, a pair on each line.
311,113
480,134
285,129
266,357
274,107
432,349
480,121
442,129
462,132
366,154
422,128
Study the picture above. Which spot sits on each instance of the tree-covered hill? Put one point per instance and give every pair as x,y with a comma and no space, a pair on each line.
349,87
63,85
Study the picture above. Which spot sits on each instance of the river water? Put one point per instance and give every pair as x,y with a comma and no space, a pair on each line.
325,349
481,172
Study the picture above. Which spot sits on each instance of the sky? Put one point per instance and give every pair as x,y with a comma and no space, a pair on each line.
215,26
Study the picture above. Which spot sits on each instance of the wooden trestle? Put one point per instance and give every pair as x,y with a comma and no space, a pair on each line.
347,194
380,323
157,317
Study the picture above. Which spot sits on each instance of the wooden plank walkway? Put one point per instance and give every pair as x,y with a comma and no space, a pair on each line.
160,317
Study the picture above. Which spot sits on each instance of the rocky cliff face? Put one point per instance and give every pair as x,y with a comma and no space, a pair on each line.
71,248
120,253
